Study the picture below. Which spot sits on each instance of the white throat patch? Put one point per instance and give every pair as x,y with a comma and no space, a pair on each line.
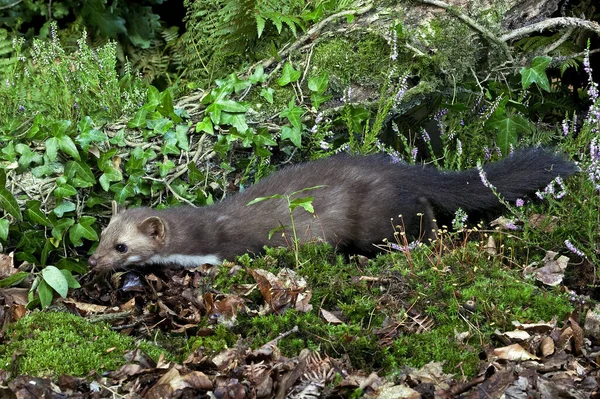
188,261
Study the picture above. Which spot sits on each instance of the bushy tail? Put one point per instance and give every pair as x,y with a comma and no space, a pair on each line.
517,176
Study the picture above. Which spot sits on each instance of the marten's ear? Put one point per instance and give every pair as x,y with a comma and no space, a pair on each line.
154,228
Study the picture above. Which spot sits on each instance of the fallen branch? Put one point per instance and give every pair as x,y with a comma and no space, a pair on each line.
563,22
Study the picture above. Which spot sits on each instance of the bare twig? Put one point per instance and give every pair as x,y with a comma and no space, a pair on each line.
569,22
557,43
471,22
314,30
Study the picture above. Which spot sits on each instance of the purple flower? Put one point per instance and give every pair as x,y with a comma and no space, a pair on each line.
519,202
565,127
572,248
414,153
487,153
425,136
483,176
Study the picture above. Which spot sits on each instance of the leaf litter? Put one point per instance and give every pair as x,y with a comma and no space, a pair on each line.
545,359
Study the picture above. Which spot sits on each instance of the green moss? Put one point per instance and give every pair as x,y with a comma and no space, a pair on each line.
436,289
51,344
222,339
360,60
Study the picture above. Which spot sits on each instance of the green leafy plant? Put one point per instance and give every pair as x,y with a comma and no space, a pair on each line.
292,204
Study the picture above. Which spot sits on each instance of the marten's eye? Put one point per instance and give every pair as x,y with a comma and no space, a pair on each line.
122,248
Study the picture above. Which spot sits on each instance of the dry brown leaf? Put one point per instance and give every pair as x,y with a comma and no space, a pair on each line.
540,328
546,346
518,335
330,317
7,266
86,308
577,336
490,246
553,271
564,340
513,352
548,222
504,223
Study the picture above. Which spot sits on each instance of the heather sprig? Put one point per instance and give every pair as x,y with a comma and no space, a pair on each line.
573,249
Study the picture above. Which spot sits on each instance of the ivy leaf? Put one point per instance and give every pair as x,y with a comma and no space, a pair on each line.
122,192
61,226
64,190
90,136
288,75
166,167
205,126
45,293
55,279
317,99
292,133
9,204
27,157
82,170
66,144
35,214
182,138
267,94
119,139
110,174
83,229
63,207
293,113
236,120
258,75
319,83
139,119
536,74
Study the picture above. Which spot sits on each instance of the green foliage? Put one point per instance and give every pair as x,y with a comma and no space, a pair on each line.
536,73
292,204
222,35
62,85
52,344
133,21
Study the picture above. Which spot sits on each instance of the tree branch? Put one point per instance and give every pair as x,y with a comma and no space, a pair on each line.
551,23
471,22
314,30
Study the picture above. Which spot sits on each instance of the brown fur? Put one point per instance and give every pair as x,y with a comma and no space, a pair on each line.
353,209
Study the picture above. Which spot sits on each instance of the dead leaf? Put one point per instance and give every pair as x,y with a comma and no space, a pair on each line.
540,328
546,346
506,224
553,271
544,223
86,308
577,336
7,266
330,317
518,335
592,322
513,352
490,246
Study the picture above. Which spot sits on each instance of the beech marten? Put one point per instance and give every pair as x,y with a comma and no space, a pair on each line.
353,208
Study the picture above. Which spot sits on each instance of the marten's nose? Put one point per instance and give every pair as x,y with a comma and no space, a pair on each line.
92,261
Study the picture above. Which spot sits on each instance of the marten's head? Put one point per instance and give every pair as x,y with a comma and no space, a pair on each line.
132,237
